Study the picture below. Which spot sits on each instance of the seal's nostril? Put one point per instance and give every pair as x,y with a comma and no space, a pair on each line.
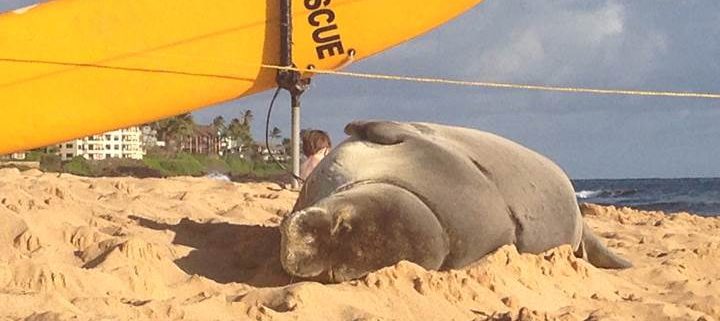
309,239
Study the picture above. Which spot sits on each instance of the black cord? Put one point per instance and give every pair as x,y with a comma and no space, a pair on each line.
267,137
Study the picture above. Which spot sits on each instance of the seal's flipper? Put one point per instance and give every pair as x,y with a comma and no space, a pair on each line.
379,132
595,252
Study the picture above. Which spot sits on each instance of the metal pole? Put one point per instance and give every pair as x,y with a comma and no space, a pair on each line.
291,81
296,141
285,39
285,81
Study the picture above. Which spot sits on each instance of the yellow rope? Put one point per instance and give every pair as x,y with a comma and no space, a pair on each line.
502,85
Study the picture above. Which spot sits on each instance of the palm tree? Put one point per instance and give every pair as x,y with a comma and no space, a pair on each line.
234,128
219,124
287,145
275,133
248,117
245,135
240,132
175,130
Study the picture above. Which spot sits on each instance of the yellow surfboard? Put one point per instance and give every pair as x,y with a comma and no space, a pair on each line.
72,68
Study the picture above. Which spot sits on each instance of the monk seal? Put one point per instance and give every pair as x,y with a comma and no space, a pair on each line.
439,196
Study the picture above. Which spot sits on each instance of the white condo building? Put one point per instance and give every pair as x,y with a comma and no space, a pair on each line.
123,143
13,156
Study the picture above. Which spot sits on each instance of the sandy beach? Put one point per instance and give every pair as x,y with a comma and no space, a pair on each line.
76,248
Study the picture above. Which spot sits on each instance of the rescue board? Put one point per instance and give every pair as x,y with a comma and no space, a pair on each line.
73,68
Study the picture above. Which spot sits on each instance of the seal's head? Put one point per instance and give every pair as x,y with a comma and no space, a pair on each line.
354,232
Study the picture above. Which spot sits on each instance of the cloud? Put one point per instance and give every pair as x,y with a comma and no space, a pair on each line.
541,43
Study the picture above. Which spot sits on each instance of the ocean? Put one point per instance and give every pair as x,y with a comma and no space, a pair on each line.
695,195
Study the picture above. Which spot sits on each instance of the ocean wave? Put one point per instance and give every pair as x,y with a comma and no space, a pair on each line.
218,176
697,196
586,194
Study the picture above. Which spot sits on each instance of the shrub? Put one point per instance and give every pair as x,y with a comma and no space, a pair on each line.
263,169
180,165
34,156
51,163
116,167
78,166
238,166
164,165
213,164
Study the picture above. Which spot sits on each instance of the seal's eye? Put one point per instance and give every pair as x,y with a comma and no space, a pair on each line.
345,227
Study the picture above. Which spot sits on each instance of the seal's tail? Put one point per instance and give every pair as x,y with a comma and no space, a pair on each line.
595,252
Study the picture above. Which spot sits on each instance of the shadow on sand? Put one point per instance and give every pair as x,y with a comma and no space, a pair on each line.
228,253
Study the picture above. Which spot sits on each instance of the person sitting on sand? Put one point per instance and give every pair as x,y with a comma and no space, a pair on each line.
315,145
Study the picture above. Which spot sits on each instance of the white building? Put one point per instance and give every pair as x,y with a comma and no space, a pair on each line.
14,156
149,138
123,143
230,146
278,151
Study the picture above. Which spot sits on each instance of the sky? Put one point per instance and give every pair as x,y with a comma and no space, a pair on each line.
633,44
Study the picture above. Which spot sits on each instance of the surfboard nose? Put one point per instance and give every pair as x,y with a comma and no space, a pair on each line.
118,63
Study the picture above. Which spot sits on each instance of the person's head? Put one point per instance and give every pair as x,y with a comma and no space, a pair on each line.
314,141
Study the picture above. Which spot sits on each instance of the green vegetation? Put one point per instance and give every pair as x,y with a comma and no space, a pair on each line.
266,170
238,166
162,165
33,156
79,166
180,165
213,164
50,163
173,129
198,165
171,160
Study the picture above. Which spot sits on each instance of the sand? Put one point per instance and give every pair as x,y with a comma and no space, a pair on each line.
74,248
